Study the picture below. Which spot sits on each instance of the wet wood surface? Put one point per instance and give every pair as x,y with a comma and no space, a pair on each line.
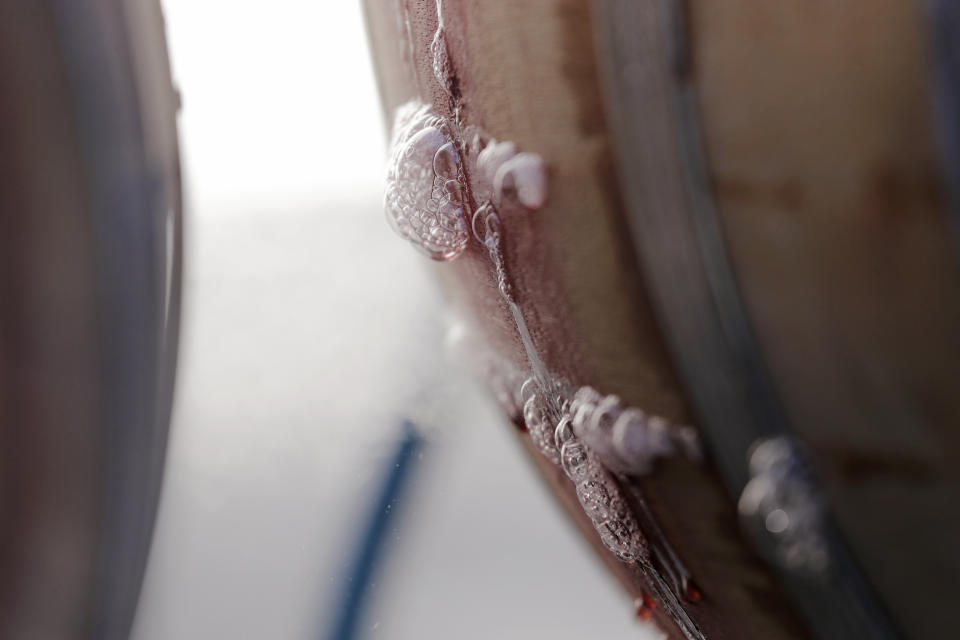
526,73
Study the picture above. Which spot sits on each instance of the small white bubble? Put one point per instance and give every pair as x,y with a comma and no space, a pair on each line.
777,521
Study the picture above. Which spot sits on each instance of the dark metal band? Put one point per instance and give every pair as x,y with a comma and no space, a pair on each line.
652,111
944,27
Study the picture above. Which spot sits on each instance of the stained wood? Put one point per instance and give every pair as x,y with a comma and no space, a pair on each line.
527,74
818,125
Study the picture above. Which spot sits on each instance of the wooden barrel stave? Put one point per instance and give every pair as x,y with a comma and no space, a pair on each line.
590,324
819,132
821,166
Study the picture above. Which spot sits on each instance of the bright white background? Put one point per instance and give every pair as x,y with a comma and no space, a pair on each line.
309,331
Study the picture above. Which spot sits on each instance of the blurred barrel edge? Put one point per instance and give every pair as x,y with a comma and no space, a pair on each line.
90,260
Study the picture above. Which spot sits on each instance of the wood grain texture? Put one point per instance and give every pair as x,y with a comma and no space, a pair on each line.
818,129
527,74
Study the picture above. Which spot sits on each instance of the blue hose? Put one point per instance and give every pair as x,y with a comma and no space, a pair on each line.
368,553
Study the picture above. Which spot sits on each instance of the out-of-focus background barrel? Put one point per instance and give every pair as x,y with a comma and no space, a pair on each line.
820,133
749,226
89,309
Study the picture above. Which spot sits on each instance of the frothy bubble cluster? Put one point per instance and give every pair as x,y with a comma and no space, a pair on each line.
440,176
627,439
597,491
425,196
782,499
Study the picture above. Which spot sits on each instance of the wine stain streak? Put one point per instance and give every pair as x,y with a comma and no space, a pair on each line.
447,182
